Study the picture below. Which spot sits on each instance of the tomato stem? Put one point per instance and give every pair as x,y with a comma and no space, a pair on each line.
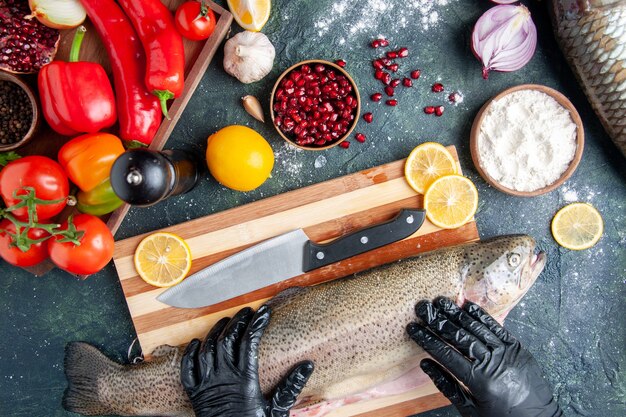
204,9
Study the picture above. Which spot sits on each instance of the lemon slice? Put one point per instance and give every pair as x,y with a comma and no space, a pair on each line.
426,163
163,259
451,201
577,226
250,14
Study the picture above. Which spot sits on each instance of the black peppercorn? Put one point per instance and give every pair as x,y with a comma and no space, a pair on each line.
16,113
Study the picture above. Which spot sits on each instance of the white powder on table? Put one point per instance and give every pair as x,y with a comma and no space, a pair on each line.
526,140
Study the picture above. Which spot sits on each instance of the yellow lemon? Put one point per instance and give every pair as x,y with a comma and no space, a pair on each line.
577,226
163,259
451,201
426,163
239,158
250,14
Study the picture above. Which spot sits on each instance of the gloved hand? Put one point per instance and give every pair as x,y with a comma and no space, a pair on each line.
500,377
221,376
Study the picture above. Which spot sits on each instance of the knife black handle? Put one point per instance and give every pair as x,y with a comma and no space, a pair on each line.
407,222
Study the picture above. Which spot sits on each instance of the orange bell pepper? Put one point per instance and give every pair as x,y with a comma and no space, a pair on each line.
88,159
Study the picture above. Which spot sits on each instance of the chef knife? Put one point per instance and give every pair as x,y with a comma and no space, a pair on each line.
280,258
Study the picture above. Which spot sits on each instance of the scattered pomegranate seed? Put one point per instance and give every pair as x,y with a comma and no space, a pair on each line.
360,137
376,96
416,74
384,42
438,111
455,97
437,88
345,144
386,62
386,78
368,117
341,63
392,102
378,64
402,52
392,67
429,109
375,43
379,74
392,54
407,82
389,90
395,82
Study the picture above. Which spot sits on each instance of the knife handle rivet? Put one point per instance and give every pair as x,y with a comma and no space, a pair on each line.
364,240
319,255
410,219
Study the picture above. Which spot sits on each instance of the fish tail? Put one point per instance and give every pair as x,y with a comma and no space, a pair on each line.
84,365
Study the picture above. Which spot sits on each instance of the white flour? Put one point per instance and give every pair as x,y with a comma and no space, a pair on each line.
526,140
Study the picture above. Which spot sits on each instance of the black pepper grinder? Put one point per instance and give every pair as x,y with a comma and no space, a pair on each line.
143,177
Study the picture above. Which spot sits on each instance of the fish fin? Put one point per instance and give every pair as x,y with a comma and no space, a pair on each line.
162,350
284,296
84,364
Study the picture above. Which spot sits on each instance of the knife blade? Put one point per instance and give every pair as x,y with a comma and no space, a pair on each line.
283,257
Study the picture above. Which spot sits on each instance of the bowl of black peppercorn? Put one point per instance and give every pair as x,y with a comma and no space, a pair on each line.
19,112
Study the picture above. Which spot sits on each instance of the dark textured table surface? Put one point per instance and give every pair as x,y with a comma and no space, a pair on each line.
572,319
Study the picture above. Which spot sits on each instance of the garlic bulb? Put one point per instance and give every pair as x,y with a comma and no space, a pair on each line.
58,14
249,56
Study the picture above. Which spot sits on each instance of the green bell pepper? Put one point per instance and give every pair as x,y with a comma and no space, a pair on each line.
99,201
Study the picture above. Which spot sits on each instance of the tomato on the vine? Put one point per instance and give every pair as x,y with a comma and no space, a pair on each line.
94,251
45,176
35,254
195,21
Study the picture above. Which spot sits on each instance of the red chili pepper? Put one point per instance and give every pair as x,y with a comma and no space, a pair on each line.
138,110
165,72
76,97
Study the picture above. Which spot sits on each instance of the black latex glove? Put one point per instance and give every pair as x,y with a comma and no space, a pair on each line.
221,376
500,378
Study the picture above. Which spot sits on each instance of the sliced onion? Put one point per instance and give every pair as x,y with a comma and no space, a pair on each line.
58,14
504,38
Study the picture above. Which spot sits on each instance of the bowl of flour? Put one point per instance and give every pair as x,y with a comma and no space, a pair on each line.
527,140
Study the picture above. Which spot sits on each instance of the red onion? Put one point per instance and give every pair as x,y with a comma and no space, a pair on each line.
505,1
504,38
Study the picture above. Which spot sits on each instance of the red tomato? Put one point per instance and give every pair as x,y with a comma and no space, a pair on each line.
44,175
13,255
93,253
195,21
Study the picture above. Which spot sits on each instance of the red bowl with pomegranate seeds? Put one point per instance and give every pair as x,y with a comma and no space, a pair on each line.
315,105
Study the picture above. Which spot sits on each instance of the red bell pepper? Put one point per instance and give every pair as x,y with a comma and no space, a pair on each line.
138,110
163,44
76,97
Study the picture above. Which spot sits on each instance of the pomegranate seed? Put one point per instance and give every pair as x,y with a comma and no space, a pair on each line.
379,74
392,54
376,97
319,68
403,52
360,137
416,74
386,62
341,63
368,117
438,111
305,69
378,64
393,67
345,144
407,82
429,109
389,90
376,43
384,42
395,82
386,78
437,88
391,102
455,97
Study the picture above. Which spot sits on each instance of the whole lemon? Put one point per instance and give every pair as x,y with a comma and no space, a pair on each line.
239,158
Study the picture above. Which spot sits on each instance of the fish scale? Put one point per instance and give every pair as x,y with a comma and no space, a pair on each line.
592,35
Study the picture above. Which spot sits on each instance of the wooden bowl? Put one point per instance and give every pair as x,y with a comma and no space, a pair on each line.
35,122
580,140
354,88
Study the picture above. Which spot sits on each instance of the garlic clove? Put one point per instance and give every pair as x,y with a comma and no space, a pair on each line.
253,107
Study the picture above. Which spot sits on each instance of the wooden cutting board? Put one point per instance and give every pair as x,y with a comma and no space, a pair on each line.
325,211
